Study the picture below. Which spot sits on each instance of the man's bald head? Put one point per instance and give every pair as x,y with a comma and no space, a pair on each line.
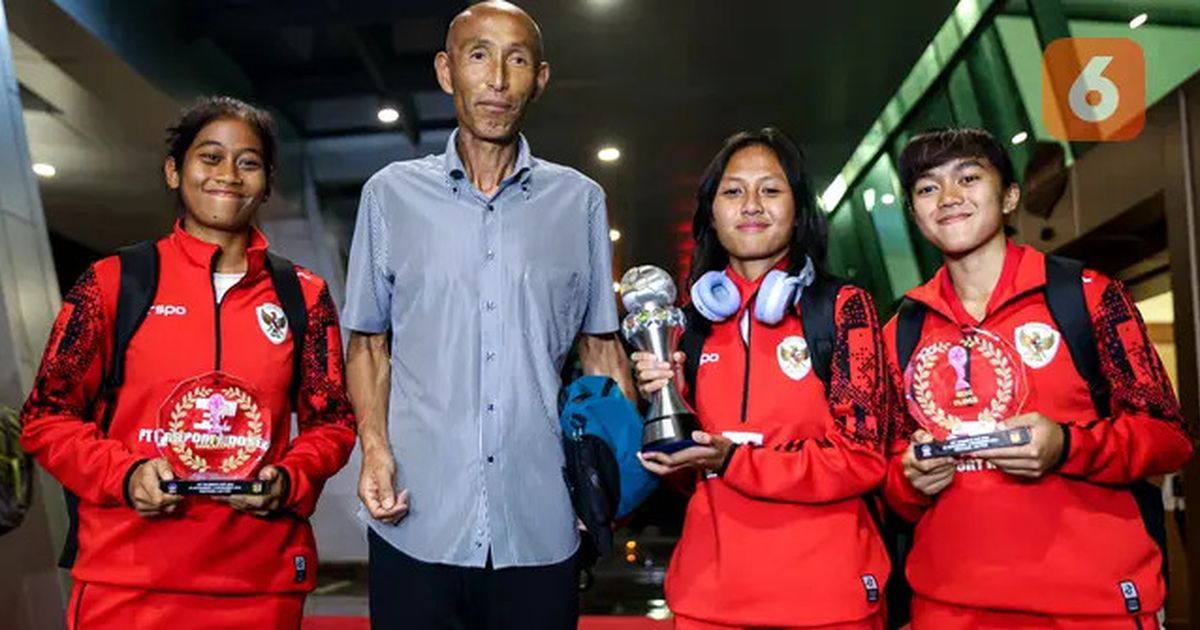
493,8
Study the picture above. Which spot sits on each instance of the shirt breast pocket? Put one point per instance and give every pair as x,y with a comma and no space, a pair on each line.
555,297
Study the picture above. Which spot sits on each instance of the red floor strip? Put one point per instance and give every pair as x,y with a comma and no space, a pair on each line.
586,623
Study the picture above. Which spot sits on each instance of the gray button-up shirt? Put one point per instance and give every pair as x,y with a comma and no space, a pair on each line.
484,297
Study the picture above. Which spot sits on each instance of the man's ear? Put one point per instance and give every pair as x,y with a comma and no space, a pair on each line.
441,67
543,78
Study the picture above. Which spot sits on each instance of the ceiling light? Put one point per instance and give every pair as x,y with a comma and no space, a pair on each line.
44,170
614,234
1021,137
609,154
388,115
888,199
869,199
1138,21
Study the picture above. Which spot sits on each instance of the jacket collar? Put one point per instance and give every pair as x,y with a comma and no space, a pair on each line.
749,288
1024,271
203,254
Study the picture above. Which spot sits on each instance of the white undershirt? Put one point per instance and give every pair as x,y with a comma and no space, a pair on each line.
222,282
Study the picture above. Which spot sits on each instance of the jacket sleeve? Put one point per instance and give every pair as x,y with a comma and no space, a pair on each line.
898,491
59,427
325,417
848,460
1144,434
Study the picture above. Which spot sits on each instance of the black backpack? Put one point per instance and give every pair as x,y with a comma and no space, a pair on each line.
138,288
1068,309
16,473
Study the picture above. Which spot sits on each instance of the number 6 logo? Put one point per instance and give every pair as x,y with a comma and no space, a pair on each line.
1092,79
1094,89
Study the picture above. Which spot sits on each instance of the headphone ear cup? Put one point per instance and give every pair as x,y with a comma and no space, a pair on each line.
774,296
715,296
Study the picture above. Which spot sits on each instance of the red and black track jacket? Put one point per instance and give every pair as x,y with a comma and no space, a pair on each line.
784,536
1061,545
204,546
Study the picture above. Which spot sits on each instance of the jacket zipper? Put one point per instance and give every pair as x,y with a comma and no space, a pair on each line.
746,372
216,309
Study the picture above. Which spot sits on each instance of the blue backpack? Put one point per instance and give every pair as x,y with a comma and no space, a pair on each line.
601,434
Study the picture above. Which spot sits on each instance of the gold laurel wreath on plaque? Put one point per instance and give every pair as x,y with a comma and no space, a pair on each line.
179,415
255,424
1005,381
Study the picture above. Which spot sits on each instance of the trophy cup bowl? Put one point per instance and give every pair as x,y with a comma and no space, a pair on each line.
654,324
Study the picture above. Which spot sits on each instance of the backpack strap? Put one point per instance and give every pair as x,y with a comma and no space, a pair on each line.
691,344
139,285
1068,308
817,305
287,287
910,319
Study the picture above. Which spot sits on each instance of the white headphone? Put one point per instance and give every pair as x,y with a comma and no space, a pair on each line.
716,297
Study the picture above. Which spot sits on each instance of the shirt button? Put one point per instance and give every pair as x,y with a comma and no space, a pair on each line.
491,459
491,407
491,207
491,356
491,254
491,306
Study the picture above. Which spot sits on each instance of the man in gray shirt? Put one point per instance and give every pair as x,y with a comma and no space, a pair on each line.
486,265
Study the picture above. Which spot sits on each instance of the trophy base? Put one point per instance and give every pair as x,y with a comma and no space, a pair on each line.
668,434
972,443
215,487
667,446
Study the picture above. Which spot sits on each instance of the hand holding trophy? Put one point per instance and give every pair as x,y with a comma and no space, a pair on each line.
654,324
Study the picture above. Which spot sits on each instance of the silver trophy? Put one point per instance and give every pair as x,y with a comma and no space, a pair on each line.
654,324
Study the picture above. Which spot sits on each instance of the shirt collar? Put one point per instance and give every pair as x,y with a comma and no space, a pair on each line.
457,173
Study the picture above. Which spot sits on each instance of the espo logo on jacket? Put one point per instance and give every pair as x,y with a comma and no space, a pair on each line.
167,310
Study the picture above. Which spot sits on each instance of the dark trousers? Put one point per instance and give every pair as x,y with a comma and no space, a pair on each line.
406,593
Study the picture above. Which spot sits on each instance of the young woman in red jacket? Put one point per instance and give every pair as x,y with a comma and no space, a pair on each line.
779,532
216,339
1047,534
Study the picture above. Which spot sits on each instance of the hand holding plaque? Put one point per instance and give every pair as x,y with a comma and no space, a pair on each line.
214,433
961,391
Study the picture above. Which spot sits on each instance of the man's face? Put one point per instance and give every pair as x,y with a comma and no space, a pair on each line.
960,204
493,71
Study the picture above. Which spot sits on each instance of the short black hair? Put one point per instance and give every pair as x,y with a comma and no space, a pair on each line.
935,147
808,236
182,132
